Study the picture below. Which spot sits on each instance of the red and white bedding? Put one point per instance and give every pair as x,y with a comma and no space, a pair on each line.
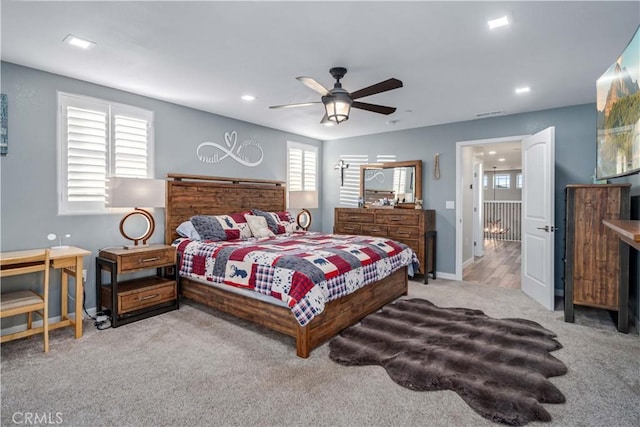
304,270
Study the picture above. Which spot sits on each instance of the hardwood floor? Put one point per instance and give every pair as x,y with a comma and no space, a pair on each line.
499,267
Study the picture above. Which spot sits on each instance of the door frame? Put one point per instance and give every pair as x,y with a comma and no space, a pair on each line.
459,146
478,211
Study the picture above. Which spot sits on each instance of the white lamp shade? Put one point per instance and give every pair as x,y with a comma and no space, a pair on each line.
135,192
303,199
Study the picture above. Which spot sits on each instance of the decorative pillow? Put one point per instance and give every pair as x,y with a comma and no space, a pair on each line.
258,225
186,229
245,230
229,225
278,222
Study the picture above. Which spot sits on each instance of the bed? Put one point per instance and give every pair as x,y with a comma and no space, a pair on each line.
189,195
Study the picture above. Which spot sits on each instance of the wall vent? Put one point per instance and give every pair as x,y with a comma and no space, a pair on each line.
489,114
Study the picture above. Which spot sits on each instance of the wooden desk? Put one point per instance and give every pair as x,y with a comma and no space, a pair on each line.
629,233
69,262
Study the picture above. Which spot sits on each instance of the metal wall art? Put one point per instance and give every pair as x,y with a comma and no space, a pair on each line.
247,153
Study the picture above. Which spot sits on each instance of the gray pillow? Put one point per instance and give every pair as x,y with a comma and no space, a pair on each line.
208,227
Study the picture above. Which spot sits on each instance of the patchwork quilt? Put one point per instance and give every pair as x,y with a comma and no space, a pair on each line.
303,270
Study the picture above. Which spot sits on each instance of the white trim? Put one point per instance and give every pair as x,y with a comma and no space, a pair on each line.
468,262
459,146
448,276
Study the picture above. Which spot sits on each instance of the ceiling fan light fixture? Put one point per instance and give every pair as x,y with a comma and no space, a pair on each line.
338,107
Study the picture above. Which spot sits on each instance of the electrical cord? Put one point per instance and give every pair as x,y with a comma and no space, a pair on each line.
100,325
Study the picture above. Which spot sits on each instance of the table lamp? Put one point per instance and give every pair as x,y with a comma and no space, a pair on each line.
303,200
132,193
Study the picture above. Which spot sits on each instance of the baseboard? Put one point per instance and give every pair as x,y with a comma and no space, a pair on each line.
467,263
37,323
448,276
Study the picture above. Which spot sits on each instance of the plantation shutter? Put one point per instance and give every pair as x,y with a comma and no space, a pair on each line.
309,171
84,166
97,140
131,147
295,169
302,166
350,190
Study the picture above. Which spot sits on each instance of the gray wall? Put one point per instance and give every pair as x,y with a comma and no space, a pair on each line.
28,173
574,150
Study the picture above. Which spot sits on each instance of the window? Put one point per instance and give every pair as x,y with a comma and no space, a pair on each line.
485,181
519,181
302,167
350,188
98,139
502,181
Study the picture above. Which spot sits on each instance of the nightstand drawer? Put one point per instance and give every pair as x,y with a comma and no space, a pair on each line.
141,293
139,261
146,297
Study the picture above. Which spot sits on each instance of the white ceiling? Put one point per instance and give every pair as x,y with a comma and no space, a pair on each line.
207,54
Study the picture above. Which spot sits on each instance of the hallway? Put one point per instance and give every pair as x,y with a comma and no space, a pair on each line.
499,267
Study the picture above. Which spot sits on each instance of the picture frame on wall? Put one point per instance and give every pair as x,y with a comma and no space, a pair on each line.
4,125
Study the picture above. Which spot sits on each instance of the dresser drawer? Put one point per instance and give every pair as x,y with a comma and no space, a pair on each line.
360,217
341,228
401,232
398,217
375,230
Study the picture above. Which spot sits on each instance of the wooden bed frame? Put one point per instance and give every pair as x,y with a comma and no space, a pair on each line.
189,195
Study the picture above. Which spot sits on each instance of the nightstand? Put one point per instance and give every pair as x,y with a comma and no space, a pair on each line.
140,297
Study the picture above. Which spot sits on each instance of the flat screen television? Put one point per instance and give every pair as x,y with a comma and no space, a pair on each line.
618,105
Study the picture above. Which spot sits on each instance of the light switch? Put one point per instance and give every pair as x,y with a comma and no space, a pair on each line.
450,204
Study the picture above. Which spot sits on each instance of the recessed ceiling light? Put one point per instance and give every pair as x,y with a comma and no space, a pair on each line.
248,97
78,42
492,152
524,89
498,22
501,159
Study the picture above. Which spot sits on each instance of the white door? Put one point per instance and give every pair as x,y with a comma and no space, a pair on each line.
478,226
538,162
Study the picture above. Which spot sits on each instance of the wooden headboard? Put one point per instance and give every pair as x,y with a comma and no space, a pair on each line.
189,195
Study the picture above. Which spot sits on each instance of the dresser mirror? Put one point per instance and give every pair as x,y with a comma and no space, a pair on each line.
391,184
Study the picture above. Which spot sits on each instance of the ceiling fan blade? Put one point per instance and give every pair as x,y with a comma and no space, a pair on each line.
382,109
313,84
302,104
377,88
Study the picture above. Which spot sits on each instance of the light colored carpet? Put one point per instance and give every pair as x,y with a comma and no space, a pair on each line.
196,367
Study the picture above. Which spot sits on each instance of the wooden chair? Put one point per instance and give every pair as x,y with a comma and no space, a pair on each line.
27,301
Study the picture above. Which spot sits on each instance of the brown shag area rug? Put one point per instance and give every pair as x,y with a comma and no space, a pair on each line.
498,366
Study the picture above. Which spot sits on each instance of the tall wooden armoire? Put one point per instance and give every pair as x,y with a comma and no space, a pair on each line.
592,250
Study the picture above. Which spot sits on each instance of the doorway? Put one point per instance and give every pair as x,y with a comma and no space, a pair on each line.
489,197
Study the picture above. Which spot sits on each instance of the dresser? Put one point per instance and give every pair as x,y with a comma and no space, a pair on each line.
592,250
414,227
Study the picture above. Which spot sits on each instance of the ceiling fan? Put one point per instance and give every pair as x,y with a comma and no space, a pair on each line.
338,102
